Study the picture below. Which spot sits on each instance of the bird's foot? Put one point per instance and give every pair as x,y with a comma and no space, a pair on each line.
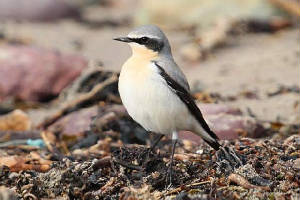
170,168
228,159
169,177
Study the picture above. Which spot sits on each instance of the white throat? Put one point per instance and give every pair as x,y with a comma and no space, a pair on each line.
142,52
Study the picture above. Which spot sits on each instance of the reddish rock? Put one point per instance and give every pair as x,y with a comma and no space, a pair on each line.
213,109
37,10
226,122
226,126
76,123
190,136
230,126
32,73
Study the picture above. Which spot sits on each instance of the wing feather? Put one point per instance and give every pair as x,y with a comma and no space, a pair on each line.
188,100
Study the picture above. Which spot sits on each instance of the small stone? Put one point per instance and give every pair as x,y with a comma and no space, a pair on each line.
76,123
296,164
15,121
13,175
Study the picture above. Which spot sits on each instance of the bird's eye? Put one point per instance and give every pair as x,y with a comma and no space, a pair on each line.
144,39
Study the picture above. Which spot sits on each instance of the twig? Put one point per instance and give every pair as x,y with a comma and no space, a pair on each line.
127,165
241,181
30,196
212,189
103,162
16,135
69,106
107,187
12,143
49,144
186,187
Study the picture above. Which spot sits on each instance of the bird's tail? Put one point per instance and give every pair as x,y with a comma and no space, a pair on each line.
224,154
213,143
208,136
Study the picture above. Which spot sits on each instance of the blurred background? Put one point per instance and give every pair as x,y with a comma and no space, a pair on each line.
59,69
231,47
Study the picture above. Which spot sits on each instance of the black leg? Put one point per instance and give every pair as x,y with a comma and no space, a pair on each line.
156,141
170,171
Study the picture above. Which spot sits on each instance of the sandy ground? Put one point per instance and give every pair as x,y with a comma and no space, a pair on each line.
258,63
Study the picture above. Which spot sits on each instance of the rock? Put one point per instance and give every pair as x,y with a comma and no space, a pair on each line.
227,122
292,140
230,126
15,121
37,74
214,109
93,118
19,163
227,127
190,136
77,122
37,10
101,120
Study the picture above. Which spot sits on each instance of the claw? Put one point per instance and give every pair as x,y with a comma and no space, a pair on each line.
170,169
228,159
169,178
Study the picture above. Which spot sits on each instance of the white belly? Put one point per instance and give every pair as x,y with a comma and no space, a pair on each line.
150,101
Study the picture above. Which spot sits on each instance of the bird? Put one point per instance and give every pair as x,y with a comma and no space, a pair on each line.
155,91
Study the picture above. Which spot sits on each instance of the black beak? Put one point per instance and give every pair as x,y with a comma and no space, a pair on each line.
123,39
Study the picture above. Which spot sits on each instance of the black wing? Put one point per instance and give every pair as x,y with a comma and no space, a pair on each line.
188,100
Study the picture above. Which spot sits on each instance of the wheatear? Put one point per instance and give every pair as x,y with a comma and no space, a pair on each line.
154,90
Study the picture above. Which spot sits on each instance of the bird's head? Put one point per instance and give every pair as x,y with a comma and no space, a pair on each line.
147,39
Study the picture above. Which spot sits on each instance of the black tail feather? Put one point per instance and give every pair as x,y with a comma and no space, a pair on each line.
214,144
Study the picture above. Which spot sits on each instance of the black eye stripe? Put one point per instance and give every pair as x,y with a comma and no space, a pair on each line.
151,43
143,40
